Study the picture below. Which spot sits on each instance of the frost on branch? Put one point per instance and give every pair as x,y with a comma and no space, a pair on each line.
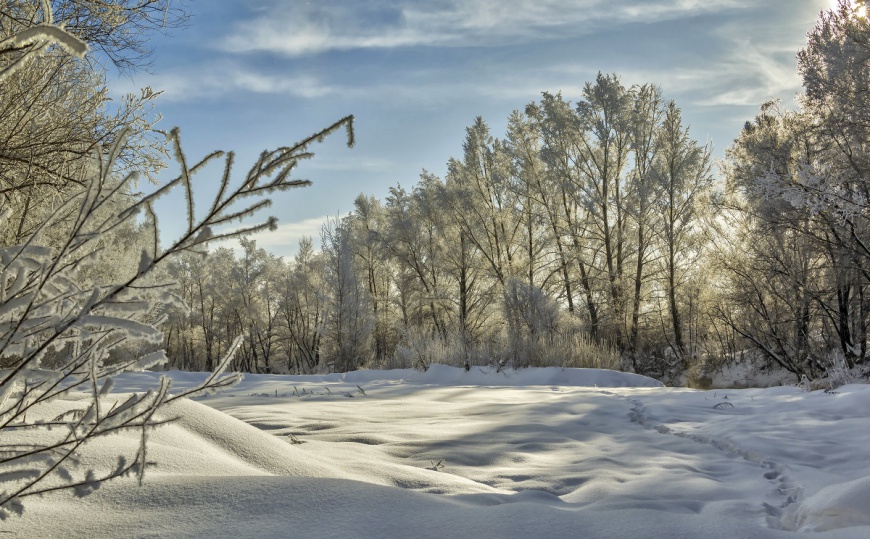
32,42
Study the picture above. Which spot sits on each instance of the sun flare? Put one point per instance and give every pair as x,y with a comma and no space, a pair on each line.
859,7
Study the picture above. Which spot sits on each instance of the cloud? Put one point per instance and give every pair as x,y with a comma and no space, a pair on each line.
284,240
216,79
301,30
748,75
672,9
754,70
759,75
758,62
354,164
744,63
286,237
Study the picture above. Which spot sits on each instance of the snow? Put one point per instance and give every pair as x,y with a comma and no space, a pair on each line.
532,453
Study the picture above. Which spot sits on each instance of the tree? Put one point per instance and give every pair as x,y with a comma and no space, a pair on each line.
526,172
804,177
599,194
643,194
251,301
56,111
568,216
682,172
777,287
117,29
482,203
604,116
302,308
367,223
530,314
348,320
413,238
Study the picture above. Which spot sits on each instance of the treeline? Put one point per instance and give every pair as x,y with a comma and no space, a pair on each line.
575,237
592,234
596,232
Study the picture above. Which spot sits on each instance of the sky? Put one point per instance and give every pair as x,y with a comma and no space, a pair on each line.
249,75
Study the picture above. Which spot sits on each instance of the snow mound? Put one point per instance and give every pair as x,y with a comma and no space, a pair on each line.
441,375
834,507
530,376
478,376
217,440
200,441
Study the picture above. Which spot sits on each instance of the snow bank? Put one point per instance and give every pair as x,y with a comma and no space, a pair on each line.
531,376
832,508
436,375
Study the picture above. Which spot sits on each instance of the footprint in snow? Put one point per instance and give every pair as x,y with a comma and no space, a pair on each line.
778,474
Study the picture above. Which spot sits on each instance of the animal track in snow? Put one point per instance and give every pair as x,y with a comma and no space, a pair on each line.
785,487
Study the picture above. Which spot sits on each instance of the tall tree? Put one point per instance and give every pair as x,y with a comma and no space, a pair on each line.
367,223
414,241
643,194
482,203
569,217
348,320
683,173
302,308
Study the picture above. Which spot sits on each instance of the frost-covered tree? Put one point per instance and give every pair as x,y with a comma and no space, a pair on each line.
600,197
530,314
348,320
302,309
115,29
367,224
834,183
481,201
643,197
197,335
604,117
780,282
526,173
568,216
56,110
250,301
804,178
682,172
414,239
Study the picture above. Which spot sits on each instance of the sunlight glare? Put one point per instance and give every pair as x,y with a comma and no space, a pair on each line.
859,7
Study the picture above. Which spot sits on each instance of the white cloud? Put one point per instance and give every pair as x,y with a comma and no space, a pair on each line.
353,164
672,9
284,240
299,30
286,237
215,79
746,64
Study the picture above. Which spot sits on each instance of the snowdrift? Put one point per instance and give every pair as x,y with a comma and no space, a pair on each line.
537,453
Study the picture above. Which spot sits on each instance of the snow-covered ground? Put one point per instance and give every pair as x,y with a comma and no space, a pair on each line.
537,453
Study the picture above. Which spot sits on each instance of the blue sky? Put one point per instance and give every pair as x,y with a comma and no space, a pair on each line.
248,75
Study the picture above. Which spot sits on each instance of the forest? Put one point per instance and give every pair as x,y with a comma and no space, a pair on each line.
594,233
597,233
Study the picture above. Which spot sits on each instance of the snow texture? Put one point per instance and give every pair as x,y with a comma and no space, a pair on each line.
444,453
